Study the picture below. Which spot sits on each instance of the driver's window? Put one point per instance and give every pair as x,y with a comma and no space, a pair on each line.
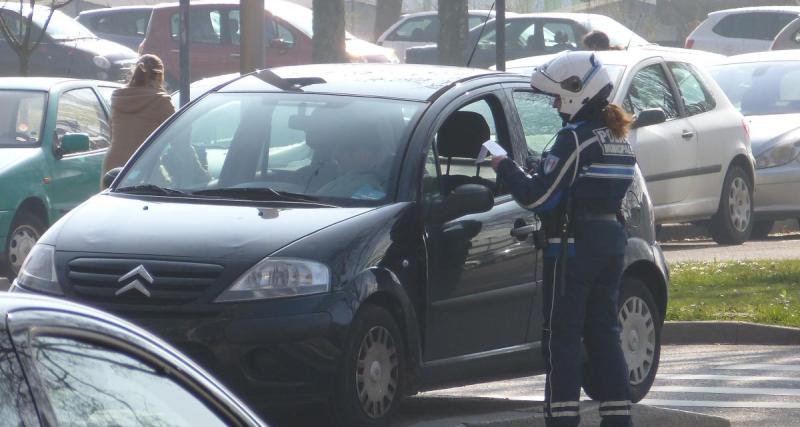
88,384
79,111
650,89
459,141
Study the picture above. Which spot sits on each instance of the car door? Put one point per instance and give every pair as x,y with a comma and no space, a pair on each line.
482,280
666,152
76,176
16,403
87,371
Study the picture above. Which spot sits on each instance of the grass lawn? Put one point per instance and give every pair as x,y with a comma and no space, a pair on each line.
753,291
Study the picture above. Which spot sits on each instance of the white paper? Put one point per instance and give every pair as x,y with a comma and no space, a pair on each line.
490,147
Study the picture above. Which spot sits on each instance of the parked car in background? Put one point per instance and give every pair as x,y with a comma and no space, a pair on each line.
84,367
68,49
334,238
691,143
53,138
530,35
214,38
422,28
765,87
125,25
788,38
741,30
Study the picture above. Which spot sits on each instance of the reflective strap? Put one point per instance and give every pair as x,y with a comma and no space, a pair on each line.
615,403
619,412
558,240
563,414
573,404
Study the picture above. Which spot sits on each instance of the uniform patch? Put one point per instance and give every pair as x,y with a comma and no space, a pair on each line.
612,145
550,163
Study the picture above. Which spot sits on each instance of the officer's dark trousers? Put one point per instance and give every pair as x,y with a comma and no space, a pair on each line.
588,309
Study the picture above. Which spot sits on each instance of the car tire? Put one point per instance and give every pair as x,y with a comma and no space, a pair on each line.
25,231
761,230
733,222
640,338
371,378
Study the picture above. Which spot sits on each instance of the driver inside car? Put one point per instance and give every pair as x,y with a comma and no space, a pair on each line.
361,164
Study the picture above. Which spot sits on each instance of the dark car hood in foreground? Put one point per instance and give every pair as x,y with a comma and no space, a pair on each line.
129,226
766,131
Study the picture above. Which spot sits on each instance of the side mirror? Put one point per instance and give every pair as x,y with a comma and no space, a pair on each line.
74,143
467,199
110,176
652,116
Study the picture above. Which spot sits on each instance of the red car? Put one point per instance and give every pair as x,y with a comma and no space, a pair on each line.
214,35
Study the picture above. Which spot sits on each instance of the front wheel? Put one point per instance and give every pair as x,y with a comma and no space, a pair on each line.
733,222
25,231
640,339
373,372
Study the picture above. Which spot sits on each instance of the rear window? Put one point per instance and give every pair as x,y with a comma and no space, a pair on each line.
133,23
759,88
753,25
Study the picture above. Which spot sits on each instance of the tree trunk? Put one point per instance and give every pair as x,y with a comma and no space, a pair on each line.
387,12
24,61
329,32
453,32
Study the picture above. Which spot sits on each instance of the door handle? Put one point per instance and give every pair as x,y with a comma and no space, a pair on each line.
687,134
522,232
175,50
235,55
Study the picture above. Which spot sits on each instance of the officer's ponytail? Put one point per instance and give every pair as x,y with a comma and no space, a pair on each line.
617,120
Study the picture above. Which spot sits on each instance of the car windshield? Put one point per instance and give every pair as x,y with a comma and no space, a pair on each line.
21,114
61,26
340,150
760,88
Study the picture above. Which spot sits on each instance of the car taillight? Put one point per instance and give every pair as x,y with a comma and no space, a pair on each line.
689,43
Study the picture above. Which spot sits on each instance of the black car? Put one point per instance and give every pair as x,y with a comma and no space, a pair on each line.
126,25
68,49
324,231
66,364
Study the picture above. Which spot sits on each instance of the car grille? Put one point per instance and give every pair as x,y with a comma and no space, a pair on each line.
174,283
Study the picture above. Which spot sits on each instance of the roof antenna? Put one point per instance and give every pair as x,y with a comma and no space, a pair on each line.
483,26
630,39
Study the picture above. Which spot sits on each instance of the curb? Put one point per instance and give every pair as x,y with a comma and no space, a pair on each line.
529,414
721,332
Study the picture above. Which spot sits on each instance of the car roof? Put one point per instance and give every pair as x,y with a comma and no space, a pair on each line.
111,10
628,57
269,4
769,55
473,12
795,9
33,83
401,81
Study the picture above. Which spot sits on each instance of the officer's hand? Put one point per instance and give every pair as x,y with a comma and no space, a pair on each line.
496,161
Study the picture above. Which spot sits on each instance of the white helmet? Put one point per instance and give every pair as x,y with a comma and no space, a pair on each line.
577,77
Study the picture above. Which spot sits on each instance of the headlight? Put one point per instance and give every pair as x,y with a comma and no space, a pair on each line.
778,155
101,62
279,278
38,272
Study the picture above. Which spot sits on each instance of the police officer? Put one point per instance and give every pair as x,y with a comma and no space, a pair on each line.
578,191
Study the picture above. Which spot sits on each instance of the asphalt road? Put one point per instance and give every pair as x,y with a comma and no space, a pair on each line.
785,246
748,385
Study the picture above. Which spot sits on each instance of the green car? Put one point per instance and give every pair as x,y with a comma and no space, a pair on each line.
54,134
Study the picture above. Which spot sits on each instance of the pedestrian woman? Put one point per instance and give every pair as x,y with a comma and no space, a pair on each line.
597,40
137,110
578,191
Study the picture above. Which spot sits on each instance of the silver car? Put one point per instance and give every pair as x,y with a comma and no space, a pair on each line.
765,87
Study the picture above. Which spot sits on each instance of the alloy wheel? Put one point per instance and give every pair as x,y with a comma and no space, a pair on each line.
638,338
20,243
377,372
739,204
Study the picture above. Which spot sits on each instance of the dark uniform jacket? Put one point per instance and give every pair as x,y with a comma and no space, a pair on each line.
605,170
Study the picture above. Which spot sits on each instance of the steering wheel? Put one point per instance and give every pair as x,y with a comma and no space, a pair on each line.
24,136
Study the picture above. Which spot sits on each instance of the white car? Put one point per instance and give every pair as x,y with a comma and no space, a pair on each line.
788,38
422,28
765,86
691,143
742,30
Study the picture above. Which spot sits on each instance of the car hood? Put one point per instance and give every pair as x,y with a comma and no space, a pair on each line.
361,49
177,229
11,156
111,50
766,131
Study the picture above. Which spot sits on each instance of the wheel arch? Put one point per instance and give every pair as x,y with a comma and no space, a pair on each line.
742,161
35,206
649,273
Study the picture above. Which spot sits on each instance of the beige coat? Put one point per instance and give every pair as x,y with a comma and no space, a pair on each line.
135,113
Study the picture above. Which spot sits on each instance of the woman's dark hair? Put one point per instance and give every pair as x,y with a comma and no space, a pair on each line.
148,68
598,40
617,120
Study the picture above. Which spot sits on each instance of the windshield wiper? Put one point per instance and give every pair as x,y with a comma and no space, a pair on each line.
259,193
150,189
